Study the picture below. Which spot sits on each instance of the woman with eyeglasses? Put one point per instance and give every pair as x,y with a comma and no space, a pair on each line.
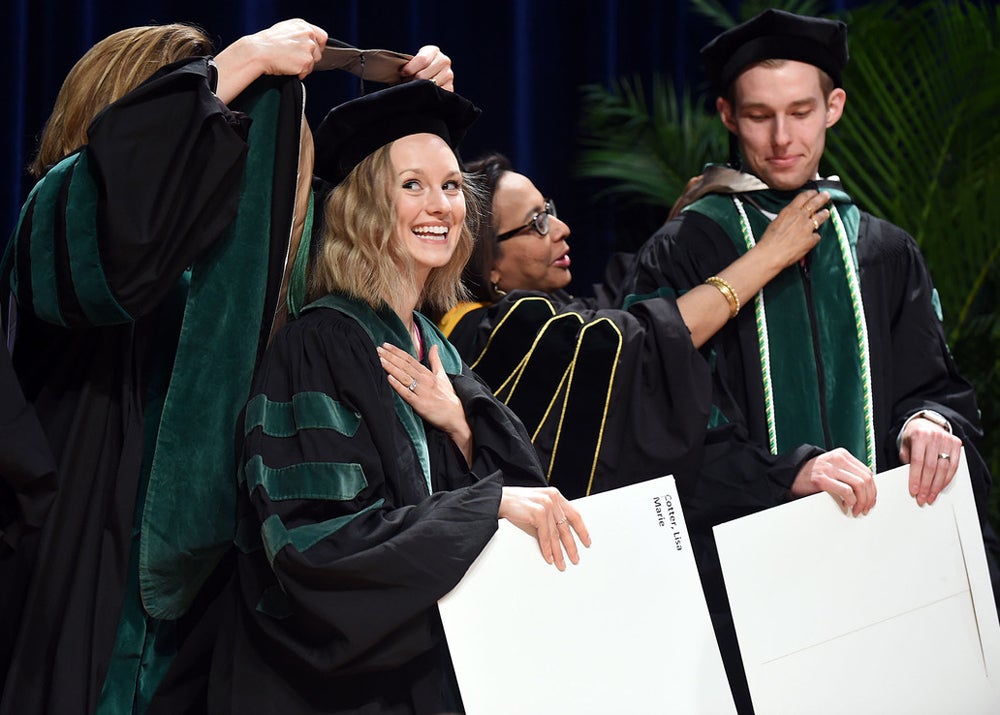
610,396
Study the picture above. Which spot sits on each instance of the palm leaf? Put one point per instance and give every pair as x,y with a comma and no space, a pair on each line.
917,144
648,149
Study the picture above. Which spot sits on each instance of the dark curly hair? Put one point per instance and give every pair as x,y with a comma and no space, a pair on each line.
487,169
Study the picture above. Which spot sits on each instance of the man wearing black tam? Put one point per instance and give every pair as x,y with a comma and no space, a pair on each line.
840,368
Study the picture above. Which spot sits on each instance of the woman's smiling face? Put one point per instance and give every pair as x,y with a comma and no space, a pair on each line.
430,205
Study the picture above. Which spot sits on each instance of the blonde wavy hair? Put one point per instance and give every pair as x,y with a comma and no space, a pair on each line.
108,71
361,254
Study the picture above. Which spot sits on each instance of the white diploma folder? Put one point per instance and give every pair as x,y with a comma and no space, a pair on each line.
624,631
892,612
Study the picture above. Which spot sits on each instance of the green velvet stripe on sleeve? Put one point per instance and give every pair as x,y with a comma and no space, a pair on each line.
276,537
338,481
661,292
10,257
307,410
41,249
91,285
79,232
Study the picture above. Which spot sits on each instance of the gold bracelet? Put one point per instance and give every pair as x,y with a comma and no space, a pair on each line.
728,292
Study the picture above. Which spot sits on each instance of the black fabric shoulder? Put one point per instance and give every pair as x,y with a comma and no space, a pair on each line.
501,443
884,242
679,255
167,160
320,337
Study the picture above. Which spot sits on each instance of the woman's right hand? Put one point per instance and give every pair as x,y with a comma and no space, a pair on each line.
790,236
547,515
795,230
290,47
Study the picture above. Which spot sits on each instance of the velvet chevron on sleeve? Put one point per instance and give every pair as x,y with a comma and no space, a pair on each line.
106,232
611,397
135,258
356,516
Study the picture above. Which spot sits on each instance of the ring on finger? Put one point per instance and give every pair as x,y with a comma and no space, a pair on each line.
815,223
944,455
412,387
562,521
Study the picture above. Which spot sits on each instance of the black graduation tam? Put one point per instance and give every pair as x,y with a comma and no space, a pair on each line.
776,35
353,130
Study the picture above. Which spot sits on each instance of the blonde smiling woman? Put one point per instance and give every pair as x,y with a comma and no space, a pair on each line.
375,466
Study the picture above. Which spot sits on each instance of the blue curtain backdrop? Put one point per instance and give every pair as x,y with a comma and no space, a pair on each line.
522,61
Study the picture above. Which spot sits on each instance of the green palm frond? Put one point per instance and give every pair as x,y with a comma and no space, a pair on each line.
648,149
917,143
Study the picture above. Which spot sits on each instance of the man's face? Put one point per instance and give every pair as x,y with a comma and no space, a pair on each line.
780,116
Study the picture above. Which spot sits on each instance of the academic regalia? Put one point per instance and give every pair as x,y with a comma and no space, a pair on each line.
747,465
610,397
143,293
355,517
27,489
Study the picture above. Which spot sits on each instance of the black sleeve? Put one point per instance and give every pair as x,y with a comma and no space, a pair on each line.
501,446
919,372
108,231
679,256
355,549
27,467
660,399
924,373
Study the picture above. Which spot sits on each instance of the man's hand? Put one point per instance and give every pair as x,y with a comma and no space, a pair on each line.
933,454
841,474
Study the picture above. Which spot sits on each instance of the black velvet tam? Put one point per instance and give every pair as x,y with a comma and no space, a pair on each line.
353,130
776,35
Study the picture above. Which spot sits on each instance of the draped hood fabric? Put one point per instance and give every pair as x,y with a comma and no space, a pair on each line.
145,270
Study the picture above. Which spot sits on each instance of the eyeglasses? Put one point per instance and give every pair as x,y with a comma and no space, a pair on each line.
539,222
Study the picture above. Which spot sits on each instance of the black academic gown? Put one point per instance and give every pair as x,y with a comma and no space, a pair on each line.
611,397
27,489
911,369
355,517
99,273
